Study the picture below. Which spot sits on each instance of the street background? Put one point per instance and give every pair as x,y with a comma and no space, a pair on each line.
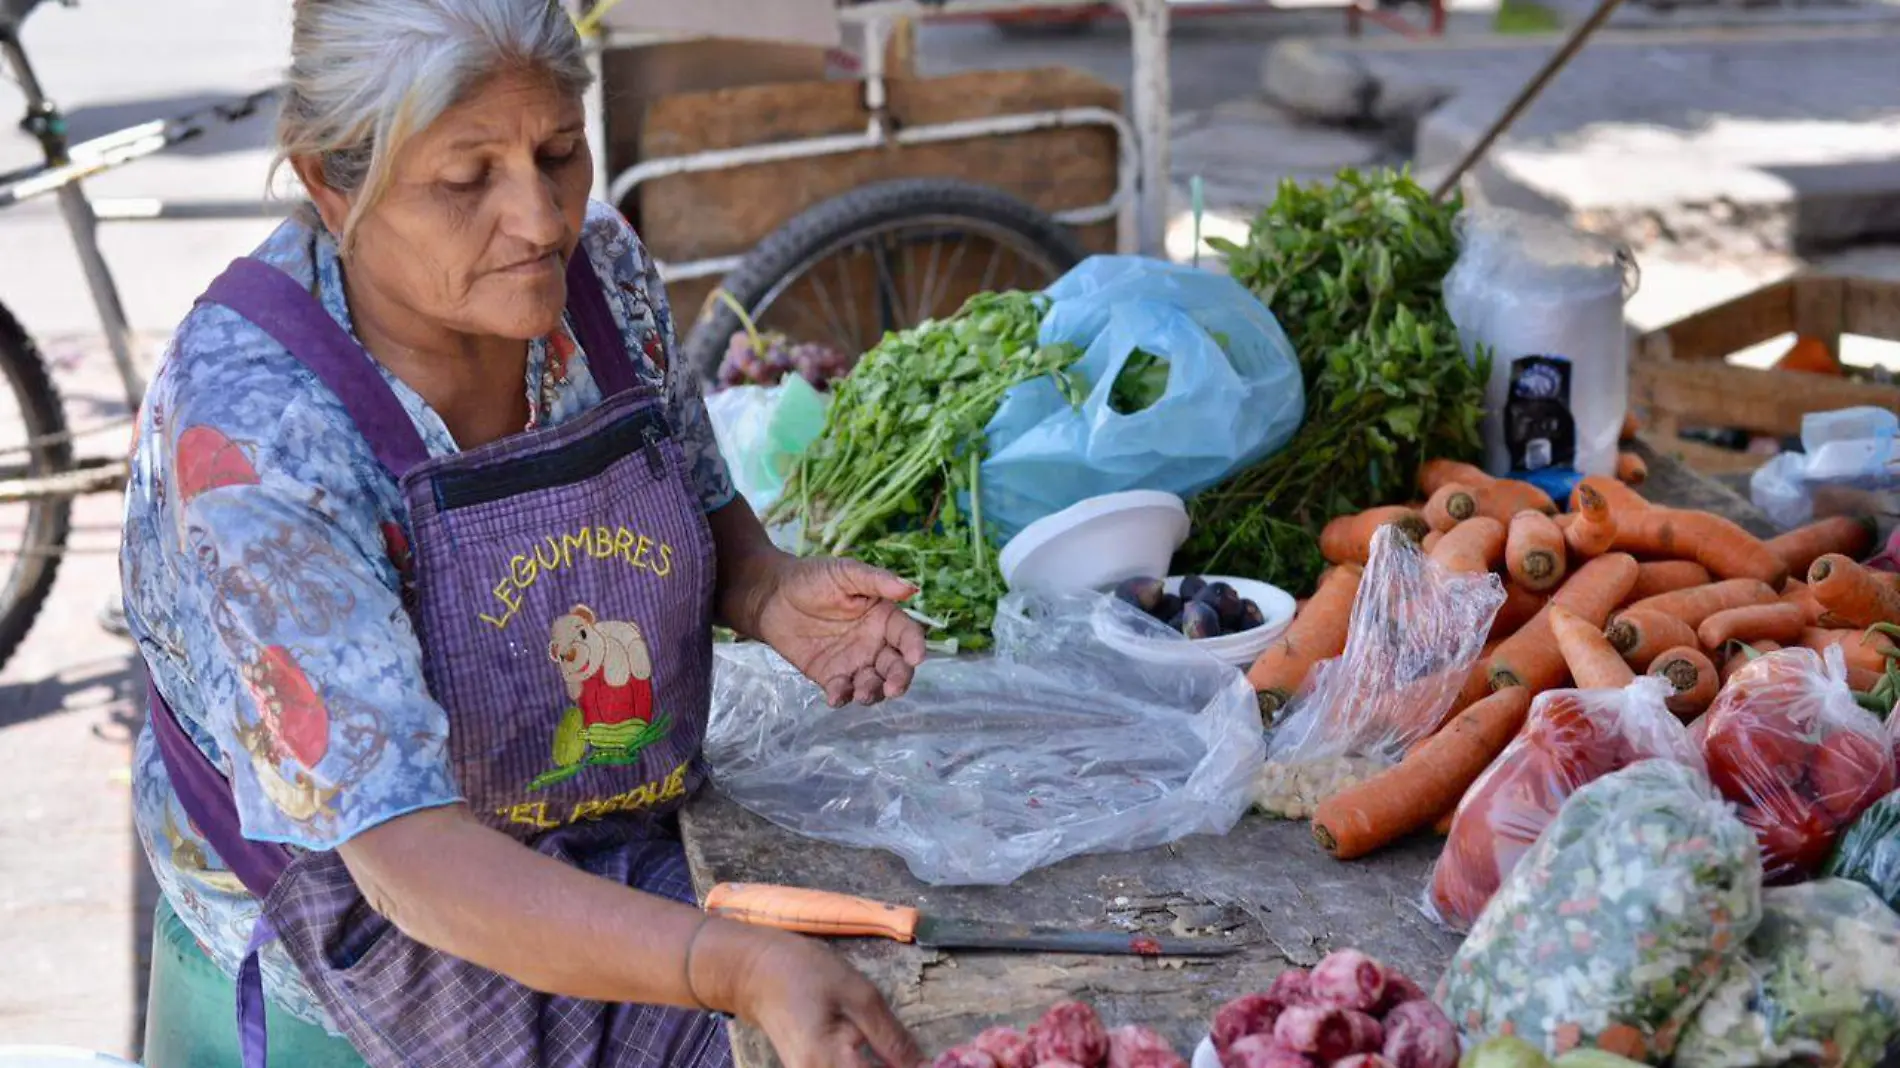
1730,145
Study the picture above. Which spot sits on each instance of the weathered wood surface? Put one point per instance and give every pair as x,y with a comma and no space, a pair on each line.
1265,887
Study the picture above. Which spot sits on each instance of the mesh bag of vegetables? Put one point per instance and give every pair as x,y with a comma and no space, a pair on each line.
1616,925
1572,737
1788,744
1818,983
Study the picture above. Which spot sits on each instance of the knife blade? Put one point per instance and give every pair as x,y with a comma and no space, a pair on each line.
832,915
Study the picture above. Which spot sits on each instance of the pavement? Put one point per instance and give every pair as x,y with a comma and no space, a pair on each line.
75,903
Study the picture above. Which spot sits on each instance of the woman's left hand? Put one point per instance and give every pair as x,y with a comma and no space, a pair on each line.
838,621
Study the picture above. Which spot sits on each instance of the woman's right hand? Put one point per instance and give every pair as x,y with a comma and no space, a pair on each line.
816,1009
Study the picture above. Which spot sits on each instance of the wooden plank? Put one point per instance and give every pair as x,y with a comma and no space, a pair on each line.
1818,309
1266,886
1872,308
1727,328
1767,402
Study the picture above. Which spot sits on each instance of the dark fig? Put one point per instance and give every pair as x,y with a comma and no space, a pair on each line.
1173,621
1192,586
1198,620
1223,600
1169,608
1251,616
1143,593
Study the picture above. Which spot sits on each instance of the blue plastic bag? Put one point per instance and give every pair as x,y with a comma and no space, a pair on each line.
1234,393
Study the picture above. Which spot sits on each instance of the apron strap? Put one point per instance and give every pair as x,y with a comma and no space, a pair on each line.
283,309
600,335
205,795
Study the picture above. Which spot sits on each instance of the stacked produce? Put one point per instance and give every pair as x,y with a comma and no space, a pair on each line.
893,478
1069,1035
1352,271
1199,609
1349,1010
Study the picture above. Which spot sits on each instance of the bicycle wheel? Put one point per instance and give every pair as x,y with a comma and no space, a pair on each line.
884,257
33,444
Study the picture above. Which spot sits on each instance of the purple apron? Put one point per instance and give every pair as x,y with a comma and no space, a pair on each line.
562,587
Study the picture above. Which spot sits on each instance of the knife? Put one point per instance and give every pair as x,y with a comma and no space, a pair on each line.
820,912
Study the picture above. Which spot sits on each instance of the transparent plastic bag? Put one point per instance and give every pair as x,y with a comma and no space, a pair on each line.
761,430
1416,630
1213,386
991,767
1572,738
1869,853
1614,927
1817,983
1845,467
1787,743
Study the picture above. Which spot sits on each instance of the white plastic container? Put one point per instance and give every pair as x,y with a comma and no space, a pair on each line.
1548,301
57,1057
1096,543
1241,649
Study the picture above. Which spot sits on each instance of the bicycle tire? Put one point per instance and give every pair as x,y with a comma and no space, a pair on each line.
836,221
25,586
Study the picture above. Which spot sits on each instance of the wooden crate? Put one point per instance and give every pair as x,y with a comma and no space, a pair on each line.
1678,377
725,213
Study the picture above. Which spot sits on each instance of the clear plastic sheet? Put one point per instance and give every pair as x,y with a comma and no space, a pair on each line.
989,768
1818,983
1572,738
1616,925
1787,743
1416,630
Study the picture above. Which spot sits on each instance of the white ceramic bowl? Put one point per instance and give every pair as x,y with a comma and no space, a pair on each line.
1240,650
1094,544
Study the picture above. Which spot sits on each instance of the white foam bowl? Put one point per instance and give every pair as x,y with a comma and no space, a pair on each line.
1096,543
1240,649
1205,1055
57,1057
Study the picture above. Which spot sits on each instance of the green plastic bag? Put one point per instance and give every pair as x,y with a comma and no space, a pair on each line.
1869,853
762,430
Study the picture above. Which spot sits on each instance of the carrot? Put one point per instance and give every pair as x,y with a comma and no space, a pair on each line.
1594,664
1438,511
1668,576
1617,495
1348,539
1410,794
1443,826
1856,596
1531,658
1861,649
1849,536
1317,633
1505,496
1862,680
1631,426
1473,545
1430,541
1716,543
1631,469
1534,551
1698,603
1520,607
1778,622
1593,530
1692,675
1738,655
1801,595
1639,634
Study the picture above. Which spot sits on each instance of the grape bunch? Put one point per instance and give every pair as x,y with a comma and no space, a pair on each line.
767,361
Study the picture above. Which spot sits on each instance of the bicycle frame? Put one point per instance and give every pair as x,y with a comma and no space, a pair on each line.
68,165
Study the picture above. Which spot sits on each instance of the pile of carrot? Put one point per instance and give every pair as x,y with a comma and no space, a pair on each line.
1596,595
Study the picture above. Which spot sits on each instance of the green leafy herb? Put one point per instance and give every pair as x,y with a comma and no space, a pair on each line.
1352,270
888,479
1143,381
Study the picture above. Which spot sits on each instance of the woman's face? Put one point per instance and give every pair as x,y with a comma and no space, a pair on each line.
484,208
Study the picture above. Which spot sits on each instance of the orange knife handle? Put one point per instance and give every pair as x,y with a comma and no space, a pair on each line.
814,912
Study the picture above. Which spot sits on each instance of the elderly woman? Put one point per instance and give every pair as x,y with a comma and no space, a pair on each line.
424,547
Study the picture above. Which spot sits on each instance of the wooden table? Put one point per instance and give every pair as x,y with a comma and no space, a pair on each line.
1266,887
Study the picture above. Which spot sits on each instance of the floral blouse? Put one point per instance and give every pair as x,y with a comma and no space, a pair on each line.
298,558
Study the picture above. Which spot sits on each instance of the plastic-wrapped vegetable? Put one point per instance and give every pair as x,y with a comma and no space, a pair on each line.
1800,759
1572,737
1869,853
1818,983
1416,629
1615,926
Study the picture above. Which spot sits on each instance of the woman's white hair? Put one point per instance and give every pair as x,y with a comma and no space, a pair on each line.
367,75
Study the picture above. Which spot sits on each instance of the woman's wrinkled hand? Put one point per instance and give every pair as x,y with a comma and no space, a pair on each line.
840,623
816,1009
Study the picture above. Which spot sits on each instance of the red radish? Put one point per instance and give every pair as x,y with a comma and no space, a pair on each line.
1348,979
1253,1014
